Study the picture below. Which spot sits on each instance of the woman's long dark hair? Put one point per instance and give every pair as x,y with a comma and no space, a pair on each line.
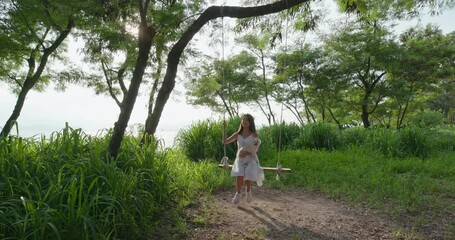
251,120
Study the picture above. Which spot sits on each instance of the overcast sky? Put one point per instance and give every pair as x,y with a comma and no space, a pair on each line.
46,112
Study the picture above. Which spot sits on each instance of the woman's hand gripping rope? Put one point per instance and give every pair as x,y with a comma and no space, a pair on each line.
225,159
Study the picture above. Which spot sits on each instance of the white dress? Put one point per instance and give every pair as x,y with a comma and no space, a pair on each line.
249,166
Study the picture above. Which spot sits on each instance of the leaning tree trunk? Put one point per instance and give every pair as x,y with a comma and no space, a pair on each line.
365,114
270,116
148,121
32,78
210,13
146,35
335,119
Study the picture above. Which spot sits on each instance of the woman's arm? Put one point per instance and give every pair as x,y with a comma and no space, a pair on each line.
230,139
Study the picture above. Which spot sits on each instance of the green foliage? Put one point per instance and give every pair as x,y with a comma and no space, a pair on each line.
282,136
223,85
354,136
319,136
418,74
413,142
28,31
404,185
408,142
203,140
370,11
64,187
383,141
427,119
442,139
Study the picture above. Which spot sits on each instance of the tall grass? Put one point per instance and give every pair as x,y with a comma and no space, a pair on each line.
64,187
409,172
281,136
203,140
421,188
320,136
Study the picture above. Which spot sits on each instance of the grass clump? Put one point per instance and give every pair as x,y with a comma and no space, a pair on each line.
64,187
320,136
203,140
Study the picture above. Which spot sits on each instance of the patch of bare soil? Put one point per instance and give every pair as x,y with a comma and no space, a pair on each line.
277,214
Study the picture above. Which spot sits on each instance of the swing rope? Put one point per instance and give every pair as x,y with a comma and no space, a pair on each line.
279,167
281,124
225,159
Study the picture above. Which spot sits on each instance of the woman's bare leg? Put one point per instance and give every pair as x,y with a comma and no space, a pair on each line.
239,184
248,185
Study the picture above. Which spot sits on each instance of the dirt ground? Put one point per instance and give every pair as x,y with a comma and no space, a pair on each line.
277,214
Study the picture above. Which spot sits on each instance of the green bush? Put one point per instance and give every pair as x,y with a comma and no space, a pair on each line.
413,142
442,141
64,187
407,142
427,119
355,136
203,140
319,136
383,141
282,136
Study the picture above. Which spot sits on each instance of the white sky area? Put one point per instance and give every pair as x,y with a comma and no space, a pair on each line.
47,112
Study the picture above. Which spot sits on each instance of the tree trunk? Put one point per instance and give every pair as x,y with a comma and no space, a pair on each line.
336,120
16,112
365,114
210,13
365,117
400,107
408,100
270,116
308,110
400,123
31,80
264,111
146,35
148,121
294,111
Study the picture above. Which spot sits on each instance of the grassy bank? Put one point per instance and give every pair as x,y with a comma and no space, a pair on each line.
405,185
418,191
64,187
409,174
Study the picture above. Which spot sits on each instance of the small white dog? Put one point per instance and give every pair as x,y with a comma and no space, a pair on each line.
253,148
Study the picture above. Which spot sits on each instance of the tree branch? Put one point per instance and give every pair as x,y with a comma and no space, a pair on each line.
109,84
32,31
143,10
47,52
210,13
48,15
12,77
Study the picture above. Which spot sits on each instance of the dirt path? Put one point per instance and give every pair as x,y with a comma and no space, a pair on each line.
276,214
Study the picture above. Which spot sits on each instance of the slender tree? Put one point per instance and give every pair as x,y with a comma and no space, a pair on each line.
260,47
365,52
426,59
32,32
296,72
223,86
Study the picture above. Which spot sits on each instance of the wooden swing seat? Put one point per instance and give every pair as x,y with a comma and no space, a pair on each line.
267,169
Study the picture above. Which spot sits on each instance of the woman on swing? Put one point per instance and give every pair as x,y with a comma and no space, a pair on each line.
246,166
